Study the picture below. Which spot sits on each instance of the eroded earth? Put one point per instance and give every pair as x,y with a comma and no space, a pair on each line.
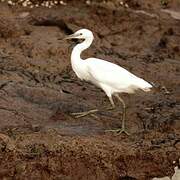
41,139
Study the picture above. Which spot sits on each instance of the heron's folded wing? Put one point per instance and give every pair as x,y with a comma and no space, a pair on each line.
110,74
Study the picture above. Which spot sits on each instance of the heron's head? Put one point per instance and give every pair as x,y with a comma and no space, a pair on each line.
81,34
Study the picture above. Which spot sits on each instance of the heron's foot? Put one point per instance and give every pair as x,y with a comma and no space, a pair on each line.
119,131
110,108
85,113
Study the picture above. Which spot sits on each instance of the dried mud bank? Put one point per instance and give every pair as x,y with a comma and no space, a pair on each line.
39,137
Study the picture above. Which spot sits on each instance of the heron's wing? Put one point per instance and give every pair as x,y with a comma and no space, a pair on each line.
107,73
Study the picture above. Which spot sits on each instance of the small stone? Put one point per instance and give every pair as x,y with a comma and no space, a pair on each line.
177,145
126,5
88,2
63,3
121,3
10,2
24,14
24,4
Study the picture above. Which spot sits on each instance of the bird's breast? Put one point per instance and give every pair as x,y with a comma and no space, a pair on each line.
80,71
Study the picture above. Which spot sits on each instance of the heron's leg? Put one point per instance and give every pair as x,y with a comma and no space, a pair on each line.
124,111
122,129
112,103
90,112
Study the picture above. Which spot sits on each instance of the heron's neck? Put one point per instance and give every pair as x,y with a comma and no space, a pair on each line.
76,53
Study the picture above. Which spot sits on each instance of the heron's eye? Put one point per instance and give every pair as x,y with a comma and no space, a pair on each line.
81,34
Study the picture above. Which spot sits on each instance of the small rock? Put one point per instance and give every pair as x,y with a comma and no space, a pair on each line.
177,145
24,14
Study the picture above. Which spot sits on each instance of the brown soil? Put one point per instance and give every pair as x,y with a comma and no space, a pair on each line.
39,137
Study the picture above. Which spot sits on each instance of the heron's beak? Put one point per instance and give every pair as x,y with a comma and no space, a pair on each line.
72,36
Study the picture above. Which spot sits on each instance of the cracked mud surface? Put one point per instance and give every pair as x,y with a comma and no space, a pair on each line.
40,139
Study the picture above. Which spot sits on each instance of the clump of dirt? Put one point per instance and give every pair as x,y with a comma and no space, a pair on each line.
41,139
9,27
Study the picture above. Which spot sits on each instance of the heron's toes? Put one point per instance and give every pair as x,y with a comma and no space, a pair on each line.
123,130
82,114
110,108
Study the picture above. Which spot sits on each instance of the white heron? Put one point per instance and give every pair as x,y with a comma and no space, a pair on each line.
111,78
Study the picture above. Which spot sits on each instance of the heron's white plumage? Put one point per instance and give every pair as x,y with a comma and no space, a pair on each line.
106,75
116,78
110,77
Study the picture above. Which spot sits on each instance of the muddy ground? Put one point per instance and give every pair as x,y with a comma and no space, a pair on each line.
39,137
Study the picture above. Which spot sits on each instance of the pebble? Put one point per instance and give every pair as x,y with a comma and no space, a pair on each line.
31,4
